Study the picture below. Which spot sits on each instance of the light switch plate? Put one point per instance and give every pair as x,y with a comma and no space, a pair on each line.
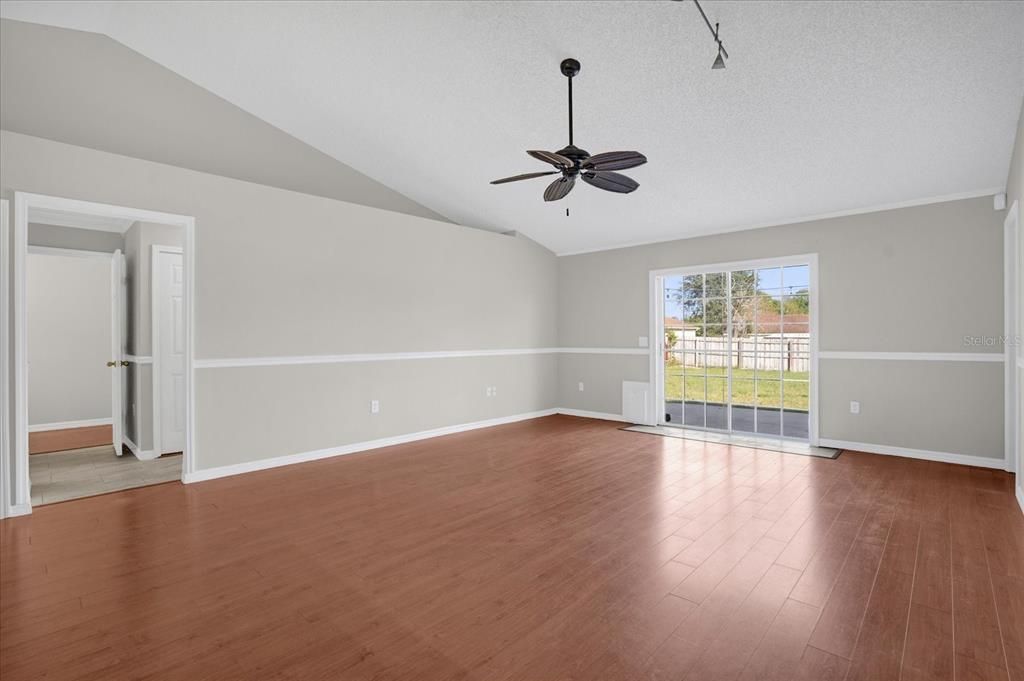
854,407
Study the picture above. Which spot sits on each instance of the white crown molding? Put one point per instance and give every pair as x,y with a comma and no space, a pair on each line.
914,356
64,425
990,191
924,454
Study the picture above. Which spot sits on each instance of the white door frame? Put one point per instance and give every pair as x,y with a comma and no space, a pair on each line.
5,386
23,202
657,325
1011,329
155,298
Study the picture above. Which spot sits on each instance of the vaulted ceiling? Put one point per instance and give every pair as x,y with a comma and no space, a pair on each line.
825,107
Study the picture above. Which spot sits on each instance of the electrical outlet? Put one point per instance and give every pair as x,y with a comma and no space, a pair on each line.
581,386
374,406
854,407
642,341
494,391
491,391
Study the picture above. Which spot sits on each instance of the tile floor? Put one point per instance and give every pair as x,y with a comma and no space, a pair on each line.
59,476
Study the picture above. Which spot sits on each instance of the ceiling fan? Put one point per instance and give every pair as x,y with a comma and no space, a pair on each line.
572,162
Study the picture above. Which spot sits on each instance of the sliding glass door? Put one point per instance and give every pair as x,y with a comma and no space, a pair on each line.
737,349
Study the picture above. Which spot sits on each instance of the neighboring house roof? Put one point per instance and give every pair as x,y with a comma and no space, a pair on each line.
791,323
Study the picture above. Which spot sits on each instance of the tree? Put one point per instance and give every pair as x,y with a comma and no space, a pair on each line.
671,337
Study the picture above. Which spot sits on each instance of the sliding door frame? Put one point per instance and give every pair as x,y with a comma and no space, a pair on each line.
656,394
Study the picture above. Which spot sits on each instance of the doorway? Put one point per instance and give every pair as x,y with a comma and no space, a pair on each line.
130,365
736,348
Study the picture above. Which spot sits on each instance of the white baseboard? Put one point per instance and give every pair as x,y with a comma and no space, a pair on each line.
63,425
928,455
593,415
303,457
316,455
15,510
1020,498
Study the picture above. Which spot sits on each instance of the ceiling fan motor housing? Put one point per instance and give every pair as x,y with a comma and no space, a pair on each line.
576,155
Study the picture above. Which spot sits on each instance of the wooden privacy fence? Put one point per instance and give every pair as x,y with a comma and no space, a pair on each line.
768,352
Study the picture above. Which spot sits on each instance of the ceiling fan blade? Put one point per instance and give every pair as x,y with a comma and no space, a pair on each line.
559,188
611,182
551,157
615,160
525,176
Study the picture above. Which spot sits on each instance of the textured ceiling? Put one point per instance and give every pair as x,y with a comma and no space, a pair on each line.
824,107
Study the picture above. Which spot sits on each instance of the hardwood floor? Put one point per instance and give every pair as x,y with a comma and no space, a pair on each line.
558,548
70,438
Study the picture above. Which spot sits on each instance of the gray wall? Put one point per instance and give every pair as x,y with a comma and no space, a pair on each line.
283,273
139,241
909,280
87,89
68,338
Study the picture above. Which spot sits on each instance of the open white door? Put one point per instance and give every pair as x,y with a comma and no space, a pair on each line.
118,338
168,349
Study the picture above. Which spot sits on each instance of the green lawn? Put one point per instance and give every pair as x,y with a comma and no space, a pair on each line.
791,393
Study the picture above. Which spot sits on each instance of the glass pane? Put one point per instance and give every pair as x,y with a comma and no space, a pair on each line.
796,395
744,283
716,311
673,388
743,353
769,393
770,280
769,321
693,401
714,285
743,311
742,391
797,329
691,312
718,416
796,278
742,418
796,307
795,424
718,391
693,286
769,421
694,363
796,367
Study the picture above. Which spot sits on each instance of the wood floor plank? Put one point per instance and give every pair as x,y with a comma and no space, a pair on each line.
553,548
929,649
841,617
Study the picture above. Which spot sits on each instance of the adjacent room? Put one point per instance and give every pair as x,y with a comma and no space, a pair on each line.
652,340
100,294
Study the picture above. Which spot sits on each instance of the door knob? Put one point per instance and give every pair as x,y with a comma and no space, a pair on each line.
125,362
111,364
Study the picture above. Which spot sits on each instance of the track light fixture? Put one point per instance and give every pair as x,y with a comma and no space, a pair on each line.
723,54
